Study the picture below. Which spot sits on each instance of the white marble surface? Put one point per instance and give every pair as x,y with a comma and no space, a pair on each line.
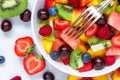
13,64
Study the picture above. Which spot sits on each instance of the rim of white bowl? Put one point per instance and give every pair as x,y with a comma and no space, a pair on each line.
82,74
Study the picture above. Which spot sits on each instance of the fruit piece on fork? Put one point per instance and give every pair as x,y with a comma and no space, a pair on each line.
87,18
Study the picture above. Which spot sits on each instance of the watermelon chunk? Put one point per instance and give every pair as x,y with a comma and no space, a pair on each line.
56,44
72,42
113,51
114,20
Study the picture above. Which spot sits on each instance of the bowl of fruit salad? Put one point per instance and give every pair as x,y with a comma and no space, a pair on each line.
96,52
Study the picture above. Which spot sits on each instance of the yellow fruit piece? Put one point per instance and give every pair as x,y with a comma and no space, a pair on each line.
96,53
93,2
116,75
82,47
53,18
47,44
72,77
62,1
83,38
75,14
102,77
114,6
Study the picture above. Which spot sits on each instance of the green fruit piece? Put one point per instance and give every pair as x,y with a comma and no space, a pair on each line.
75,59
11,8
101,45
64,11
118,8
93,40
43,23
50,37
108,10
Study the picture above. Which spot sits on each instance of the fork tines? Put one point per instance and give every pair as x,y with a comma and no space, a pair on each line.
83,22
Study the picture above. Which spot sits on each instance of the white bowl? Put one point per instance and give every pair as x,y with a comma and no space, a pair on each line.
67,69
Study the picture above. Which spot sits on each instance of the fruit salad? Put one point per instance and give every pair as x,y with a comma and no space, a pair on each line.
97,48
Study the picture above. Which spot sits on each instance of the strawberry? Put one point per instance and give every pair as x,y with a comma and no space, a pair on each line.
116,40
49,3
46,30
16,78
33,64
91,31
110,60
87,66
113,51
84,2
74,3
61,24
103,32
23,45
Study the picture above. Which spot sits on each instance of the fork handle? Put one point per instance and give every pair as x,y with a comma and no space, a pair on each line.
103,5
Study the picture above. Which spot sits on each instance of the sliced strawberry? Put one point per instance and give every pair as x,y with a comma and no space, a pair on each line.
116,40
23,45
113,51
84,2
33,64
49,3
61,24
91,31
87,66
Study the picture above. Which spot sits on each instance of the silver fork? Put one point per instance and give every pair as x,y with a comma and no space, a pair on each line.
87,18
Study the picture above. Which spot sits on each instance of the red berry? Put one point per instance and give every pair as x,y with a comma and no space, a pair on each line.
91,31
109,60
103,32
45,30
87,66
16,78
116,40
74,3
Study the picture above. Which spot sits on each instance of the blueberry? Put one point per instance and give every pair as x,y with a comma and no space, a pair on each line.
52,11
54,55
86,57
2,59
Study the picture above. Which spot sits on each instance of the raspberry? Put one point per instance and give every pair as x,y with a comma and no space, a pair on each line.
74,3
45,30
16,78
109,60
103,32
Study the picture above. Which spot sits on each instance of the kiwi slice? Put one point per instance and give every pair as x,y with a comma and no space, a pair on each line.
65,11
75,59
11,8
93,40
